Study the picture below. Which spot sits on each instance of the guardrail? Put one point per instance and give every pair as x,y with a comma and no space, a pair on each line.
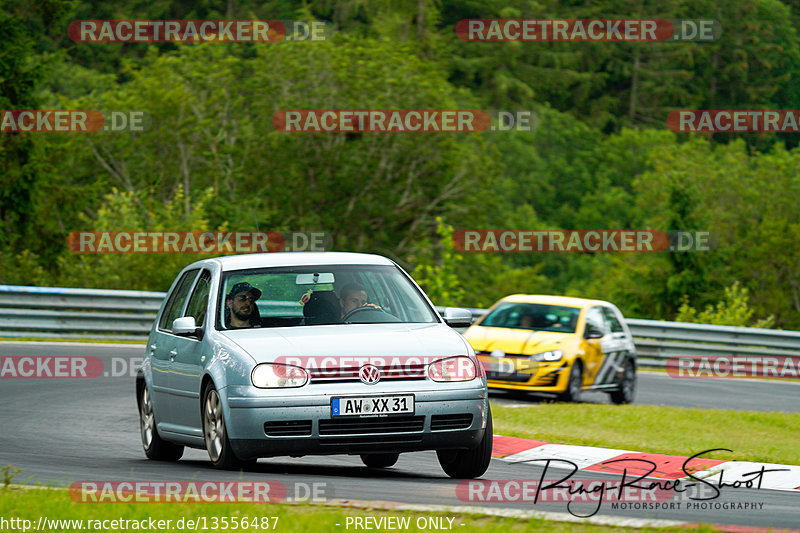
52,312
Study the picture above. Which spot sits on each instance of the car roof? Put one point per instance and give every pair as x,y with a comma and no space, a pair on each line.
282,259
555,300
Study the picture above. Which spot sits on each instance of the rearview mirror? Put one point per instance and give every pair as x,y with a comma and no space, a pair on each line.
314,279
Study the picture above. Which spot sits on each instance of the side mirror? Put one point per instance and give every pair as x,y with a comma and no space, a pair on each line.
457,317
185,326
593,333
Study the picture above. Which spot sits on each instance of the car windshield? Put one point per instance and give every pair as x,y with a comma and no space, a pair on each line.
538,317
319,295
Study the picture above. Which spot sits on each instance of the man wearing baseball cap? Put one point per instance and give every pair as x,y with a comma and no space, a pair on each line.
241,304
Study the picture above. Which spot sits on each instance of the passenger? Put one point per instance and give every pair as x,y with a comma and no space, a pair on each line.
241,309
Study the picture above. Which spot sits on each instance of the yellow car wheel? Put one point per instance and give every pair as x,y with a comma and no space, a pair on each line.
574,383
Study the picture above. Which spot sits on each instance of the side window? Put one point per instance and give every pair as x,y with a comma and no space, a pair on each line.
594,319
611,318
176,300
198,302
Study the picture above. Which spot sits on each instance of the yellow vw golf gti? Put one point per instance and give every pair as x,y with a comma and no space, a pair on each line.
556,345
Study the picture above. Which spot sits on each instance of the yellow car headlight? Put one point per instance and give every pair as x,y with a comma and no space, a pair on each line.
552,355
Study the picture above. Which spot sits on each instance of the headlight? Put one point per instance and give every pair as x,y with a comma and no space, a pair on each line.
278,376
460,368
552,355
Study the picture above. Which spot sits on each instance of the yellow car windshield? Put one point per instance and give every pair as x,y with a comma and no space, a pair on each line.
530,316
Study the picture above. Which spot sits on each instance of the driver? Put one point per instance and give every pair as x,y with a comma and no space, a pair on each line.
241,306
353,296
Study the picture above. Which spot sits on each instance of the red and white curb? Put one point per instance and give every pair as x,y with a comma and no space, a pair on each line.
587,458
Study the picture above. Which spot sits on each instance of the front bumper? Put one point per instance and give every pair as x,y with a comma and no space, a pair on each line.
301,424
524,374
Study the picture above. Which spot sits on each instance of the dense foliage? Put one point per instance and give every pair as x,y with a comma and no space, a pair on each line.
601,156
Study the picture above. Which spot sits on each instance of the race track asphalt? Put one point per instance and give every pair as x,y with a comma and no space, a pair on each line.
63,430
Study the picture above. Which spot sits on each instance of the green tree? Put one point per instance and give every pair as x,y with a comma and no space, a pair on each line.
732,310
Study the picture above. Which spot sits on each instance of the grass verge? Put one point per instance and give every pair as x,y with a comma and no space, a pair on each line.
753,436
55,504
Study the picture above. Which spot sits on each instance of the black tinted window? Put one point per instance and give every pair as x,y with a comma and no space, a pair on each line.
177,300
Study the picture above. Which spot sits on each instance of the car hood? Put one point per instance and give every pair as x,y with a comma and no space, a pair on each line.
516,341
359,340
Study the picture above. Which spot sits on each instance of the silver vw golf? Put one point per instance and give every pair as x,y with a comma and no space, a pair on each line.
311,353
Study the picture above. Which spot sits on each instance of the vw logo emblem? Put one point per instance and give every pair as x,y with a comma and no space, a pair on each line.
369,374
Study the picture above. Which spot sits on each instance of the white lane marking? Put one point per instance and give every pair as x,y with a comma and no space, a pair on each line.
582,456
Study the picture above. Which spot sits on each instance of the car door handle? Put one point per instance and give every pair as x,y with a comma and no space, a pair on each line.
173,353
152,348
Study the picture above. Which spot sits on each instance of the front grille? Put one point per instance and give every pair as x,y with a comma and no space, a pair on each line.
518,377
445,422
349,374
288,428
371,426
550,379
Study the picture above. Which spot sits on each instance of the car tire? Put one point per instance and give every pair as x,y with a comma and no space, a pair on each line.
380,460
469,464
627,387
215,433
155,447
574,383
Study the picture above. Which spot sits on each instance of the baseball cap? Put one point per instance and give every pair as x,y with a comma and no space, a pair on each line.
243,286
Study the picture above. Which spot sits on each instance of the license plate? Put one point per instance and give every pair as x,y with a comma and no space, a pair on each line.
372,405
